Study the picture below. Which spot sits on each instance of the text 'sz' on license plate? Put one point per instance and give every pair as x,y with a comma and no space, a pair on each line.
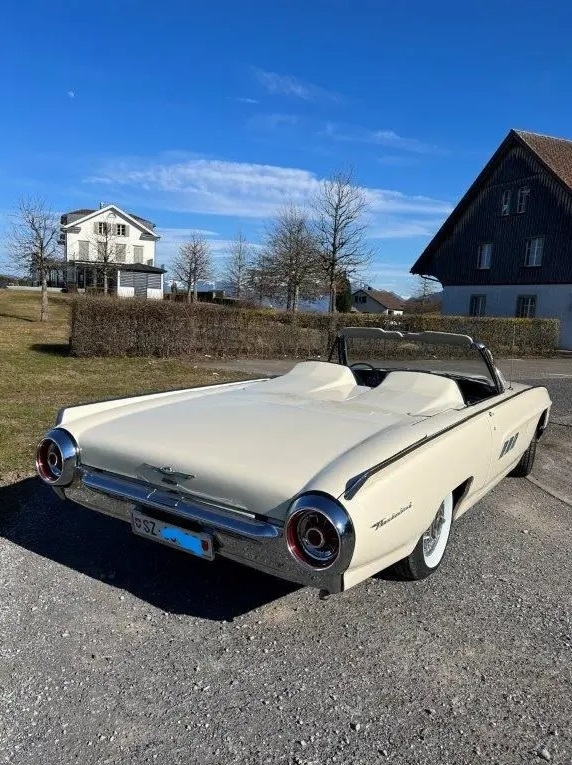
167,534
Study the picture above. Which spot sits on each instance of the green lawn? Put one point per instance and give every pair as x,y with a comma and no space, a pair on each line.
37,377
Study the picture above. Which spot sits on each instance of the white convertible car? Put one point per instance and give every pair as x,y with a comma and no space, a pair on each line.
324,475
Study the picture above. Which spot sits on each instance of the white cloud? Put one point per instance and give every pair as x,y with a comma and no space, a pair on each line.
388,138
241,189
287,85
71,94
243,100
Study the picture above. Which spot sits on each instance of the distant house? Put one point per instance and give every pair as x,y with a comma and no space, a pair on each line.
368,300
129,243
506,249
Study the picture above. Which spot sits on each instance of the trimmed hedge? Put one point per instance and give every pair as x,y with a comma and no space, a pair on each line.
122,327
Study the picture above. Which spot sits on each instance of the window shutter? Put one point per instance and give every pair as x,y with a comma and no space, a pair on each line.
126,230
96,227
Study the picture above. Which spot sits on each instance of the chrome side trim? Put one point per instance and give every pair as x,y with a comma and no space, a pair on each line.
141,494
355,483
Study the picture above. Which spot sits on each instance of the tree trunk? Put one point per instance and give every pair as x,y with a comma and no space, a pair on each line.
44,301
105,282
189,294
332,307
195,292
295,298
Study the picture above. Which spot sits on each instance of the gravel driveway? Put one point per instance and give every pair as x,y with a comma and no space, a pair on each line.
115,650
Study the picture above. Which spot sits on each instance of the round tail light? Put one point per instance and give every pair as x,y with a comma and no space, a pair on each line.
318,531
313,538
57,458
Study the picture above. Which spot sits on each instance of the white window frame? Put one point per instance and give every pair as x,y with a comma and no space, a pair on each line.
533,251
101,227
120,229
522,199
477,305
525,307
485,248
138,253
505,202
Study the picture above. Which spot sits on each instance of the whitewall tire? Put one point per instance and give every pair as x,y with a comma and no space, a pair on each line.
430,548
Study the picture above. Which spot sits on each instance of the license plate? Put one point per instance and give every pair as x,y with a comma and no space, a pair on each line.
167,534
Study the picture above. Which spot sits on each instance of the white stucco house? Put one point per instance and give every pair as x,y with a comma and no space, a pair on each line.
125,242
369,300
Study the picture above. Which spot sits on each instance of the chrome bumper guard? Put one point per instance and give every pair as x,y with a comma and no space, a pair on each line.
256,543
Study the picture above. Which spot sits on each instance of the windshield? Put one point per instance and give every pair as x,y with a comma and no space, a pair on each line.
452,356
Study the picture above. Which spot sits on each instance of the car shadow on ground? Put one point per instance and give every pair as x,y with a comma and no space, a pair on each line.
33,517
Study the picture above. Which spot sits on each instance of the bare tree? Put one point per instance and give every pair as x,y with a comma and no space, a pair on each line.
193,263
33,243
422,300
293,257
260,278
339,208
106,243
237,265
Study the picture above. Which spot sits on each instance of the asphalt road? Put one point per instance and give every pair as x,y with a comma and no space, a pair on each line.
116,650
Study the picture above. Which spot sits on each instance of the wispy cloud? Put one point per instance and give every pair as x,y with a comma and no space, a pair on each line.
241,189
248,190
388,138
244,100
287,85
71,94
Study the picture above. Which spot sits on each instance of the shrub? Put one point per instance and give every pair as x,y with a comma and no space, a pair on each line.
129,327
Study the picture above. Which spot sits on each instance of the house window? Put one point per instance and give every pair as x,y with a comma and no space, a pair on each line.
526,306
533,251
477,305
149,261
83,250
522,199
485,255
505,202
138,253
120,229
120,253
102,227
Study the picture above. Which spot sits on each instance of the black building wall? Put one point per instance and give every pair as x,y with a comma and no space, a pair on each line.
548,214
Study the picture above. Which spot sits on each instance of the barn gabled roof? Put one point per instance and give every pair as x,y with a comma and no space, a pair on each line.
554,154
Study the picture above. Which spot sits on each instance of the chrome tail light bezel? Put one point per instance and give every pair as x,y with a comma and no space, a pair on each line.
336,523
57,457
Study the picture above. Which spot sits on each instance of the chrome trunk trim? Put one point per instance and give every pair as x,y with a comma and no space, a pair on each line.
144,494
260,544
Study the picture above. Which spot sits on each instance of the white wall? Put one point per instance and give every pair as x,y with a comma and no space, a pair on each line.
370,305
553,301
125,291
154,294
87,234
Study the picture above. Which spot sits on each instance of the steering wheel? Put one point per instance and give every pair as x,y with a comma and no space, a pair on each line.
366,365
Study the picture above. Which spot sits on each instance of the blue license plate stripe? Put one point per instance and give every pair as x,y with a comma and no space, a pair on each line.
182,539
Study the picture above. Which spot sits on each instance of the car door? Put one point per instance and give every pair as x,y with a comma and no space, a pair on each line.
510,423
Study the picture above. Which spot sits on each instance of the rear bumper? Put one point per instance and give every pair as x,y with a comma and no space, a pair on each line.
236,535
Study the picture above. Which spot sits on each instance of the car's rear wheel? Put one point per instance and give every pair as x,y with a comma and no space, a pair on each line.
524,466
430,549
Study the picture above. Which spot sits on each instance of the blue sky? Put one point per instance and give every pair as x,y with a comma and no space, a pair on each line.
210,115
